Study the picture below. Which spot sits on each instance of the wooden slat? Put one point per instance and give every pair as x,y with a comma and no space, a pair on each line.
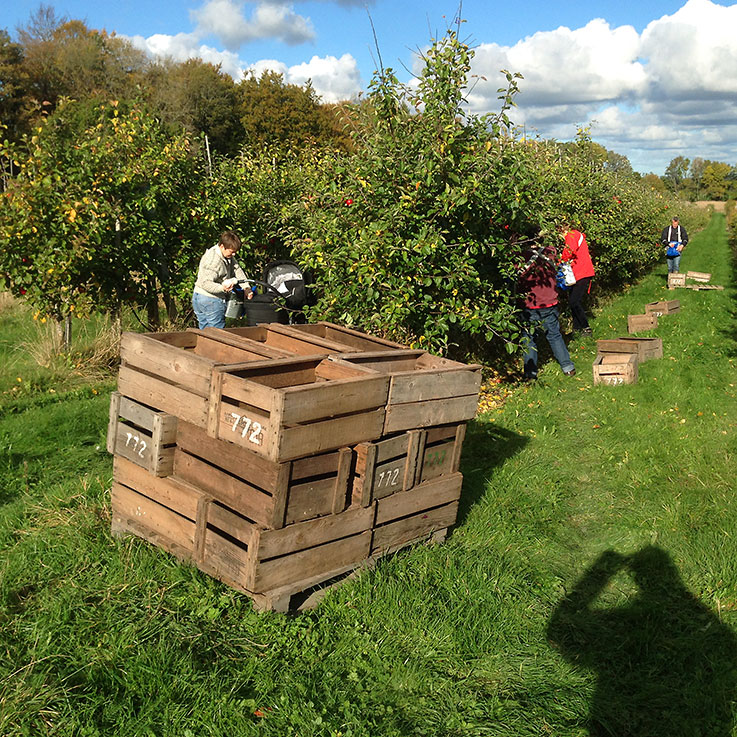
437,384
431,494
346,336
170,492
240,496
256,345
299,566
340,397
232,524
165,397
112,425
411,529
428,413
314,532
252,429
129,504
228,561
318,437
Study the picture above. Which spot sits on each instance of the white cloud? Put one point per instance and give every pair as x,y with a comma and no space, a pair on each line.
333,79
692,54
225,19
672,87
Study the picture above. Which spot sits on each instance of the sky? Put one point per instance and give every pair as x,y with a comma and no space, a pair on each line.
651,80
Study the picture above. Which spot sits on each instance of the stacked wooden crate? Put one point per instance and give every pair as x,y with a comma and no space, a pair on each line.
276,457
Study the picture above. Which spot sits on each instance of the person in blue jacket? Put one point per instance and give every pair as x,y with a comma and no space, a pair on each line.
674,238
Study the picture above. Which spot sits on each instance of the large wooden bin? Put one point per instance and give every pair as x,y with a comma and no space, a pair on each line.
291,408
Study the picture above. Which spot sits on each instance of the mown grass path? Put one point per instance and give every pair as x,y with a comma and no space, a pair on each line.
590,586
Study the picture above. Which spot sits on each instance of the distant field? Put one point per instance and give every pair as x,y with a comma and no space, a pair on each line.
716,204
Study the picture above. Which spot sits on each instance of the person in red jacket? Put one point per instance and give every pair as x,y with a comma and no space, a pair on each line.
576,252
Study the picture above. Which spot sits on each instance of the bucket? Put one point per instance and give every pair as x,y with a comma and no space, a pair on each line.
234,305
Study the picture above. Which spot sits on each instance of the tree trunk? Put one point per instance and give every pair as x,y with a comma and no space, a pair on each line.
64,333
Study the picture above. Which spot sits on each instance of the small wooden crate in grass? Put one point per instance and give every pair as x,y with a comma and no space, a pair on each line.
172,371
143,435
409,516
638,323
292,408
272,494
425,390
615,368
699,276
643,348
664,307
268,565
676,280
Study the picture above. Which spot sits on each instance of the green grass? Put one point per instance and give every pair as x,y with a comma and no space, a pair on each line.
590,586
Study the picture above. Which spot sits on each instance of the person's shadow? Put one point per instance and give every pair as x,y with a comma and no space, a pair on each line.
666,664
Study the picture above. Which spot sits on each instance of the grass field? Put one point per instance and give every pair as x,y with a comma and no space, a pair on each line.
590,586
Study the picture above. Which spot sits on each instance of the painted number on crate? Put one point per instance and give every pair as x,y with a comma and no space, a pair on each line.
249,429
388,479
139,444
614,380
436,458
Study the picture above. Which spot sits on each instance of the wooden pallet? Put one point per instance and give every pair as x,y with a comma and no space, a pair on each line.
644,348
699,276
141,434
292,408
425,390
699,287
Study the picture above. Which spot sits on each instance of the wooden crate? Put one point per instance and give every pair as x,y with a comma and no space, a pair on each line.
643,348
665,307
272,494
402,461
415,514
637,323
699,276
425,390
676,280
615,368
385,466
440,454
292,408
345,340
268,565
172,371
141,434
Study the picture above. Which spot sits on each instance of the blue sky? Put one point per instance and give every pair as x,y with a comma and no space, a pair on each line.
653,80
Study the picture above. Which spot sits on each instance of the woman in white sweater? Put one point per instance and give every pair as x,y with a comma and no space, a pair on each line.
218,273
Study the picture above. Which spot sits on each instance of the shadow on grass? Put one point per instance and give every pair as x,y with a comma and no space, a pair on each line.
666,665
485,446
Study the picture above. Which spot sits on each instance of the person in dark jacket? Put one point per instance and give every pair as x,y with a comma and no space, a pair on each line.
536,286
674,238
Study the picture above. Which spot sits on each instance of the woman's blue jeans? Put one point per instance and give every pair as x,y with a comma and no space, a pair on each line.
547,319
210,311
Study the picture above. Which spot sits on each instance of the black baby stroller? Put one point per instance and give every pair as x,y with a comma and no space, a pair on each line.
280,296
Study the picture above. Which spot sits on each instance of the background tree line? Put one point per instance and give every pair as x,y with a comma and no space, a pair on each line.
410,212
